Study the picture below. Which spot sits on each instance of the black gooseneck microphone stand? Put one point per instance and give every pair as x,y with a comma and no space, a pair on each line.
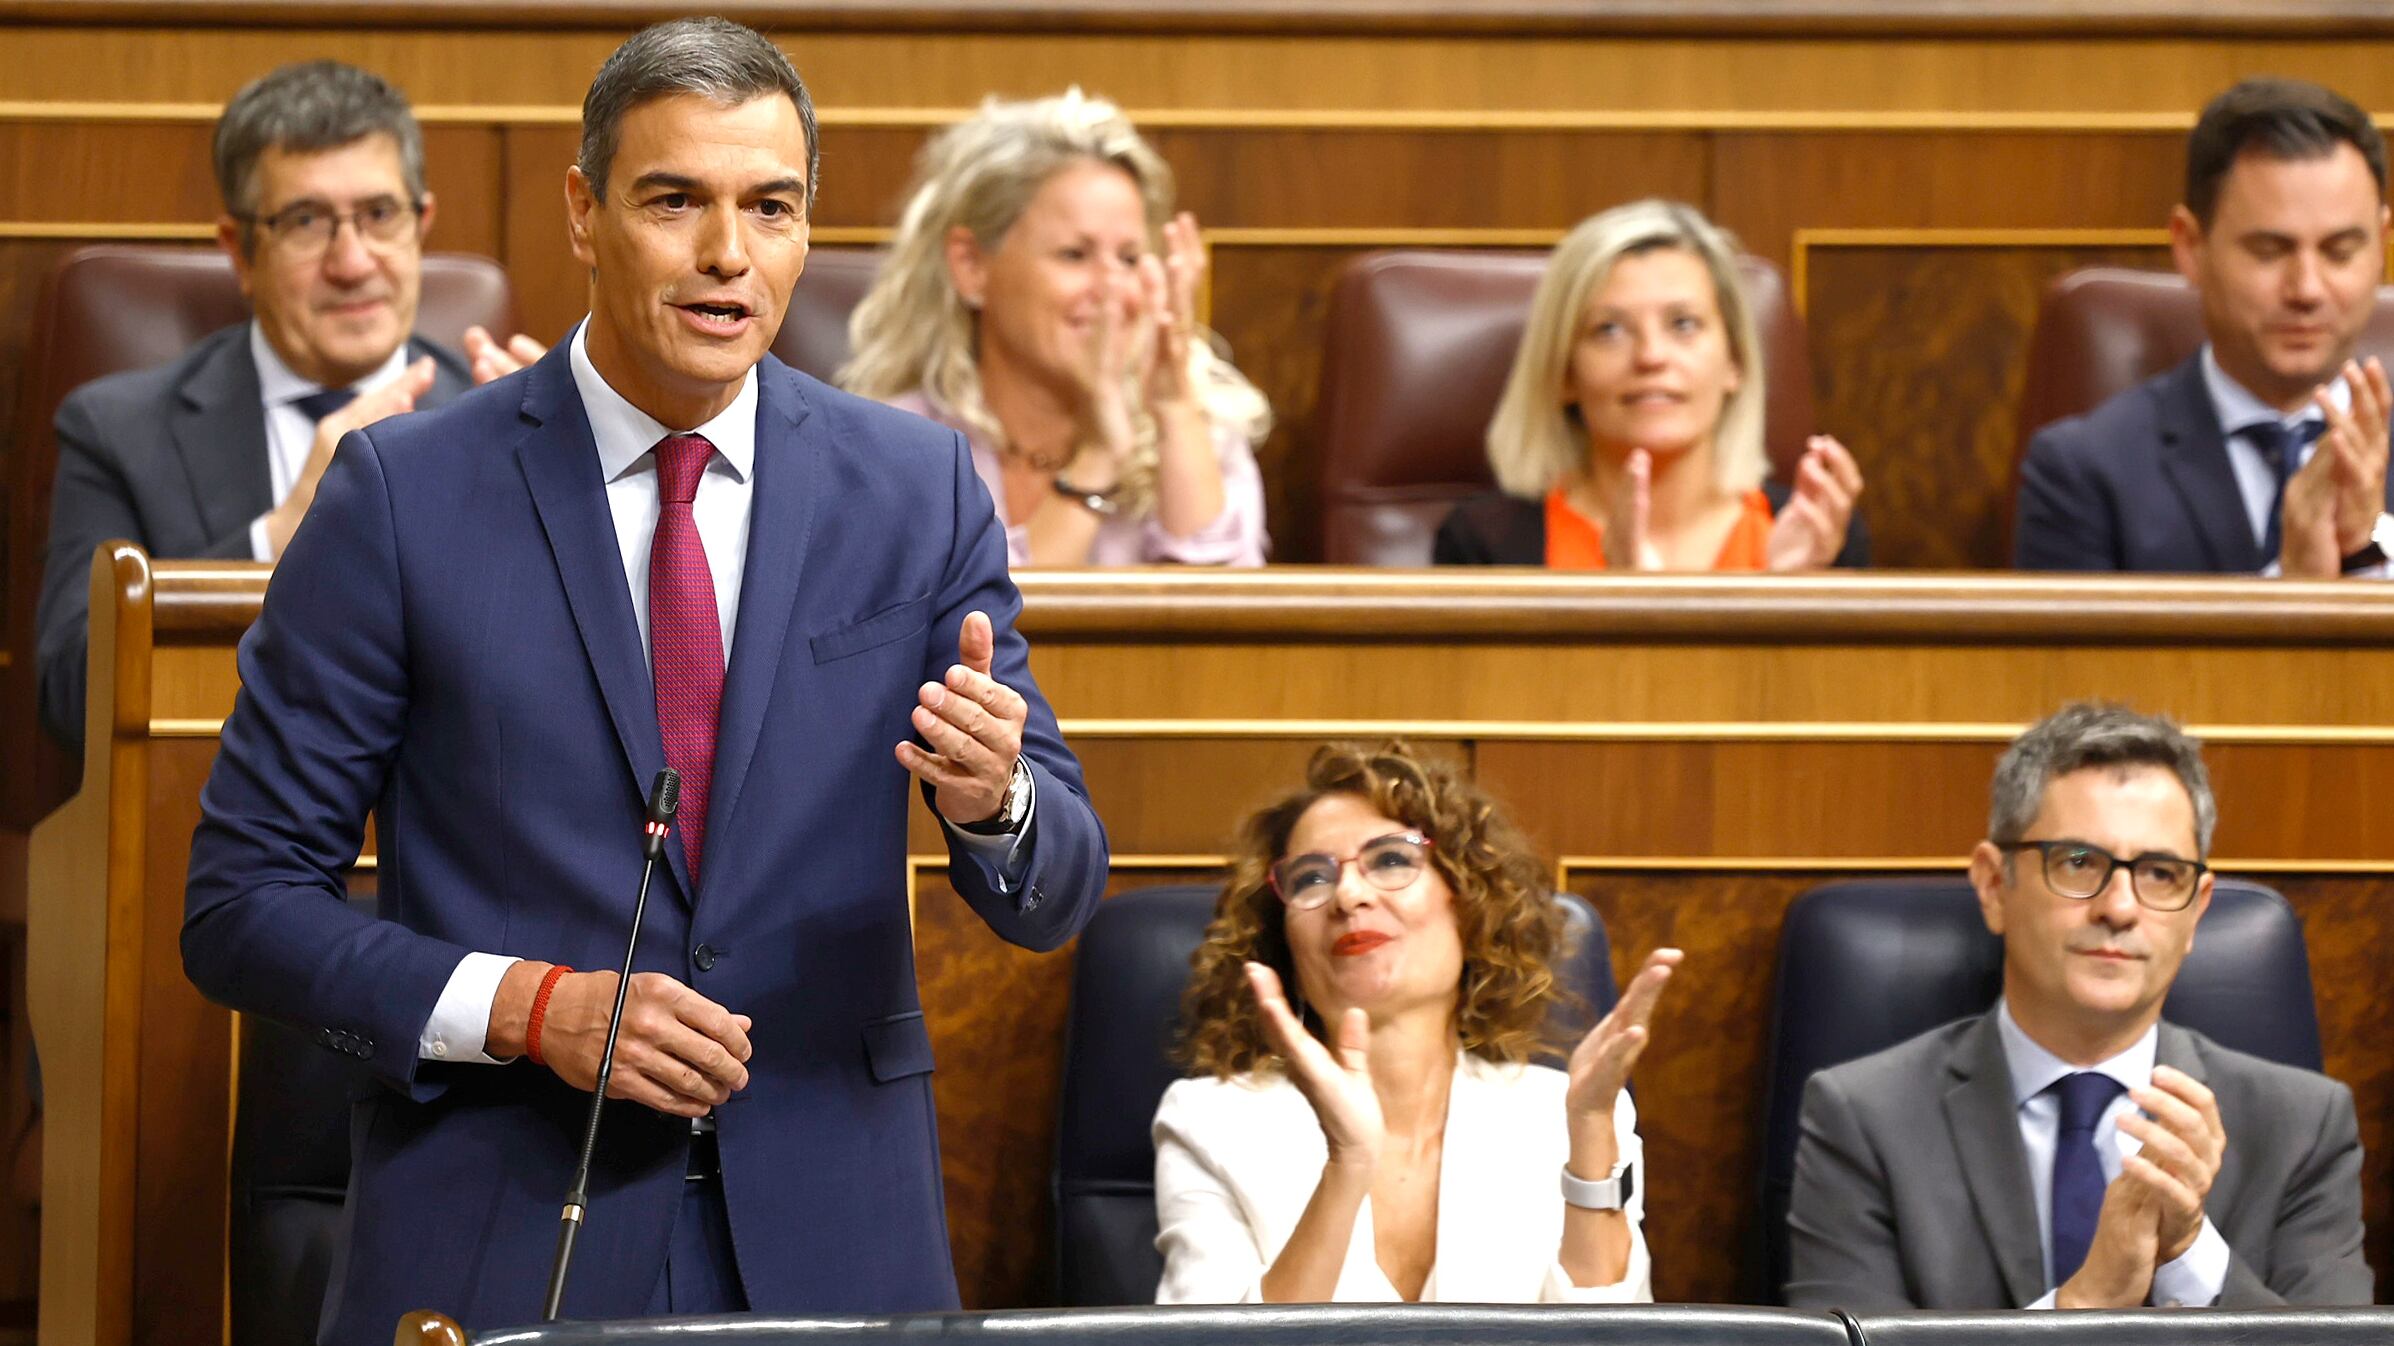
664,797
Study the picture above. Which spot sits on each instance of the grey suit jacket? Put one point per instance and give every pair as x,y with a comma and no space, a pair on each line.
1912,1185
174,458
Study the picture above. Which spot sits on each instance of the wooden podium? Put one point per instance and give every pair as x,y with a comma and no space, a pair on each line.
1694,751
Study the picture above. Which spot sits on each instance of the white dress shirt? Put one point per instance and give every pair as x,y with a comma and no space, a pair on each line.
2197,1276
2256,482
1236,1162
626,438
290,433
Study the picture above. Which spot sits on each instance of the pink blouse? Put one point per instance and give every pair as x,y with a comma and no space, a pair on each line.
1235,538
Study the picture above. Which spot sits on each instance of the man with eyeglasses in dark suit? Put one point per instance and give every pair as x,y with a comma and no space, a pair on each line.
2068,1149
217,454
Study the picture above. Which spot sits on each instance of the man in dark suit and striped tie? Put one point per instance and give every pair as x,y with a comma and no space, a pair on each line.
217,454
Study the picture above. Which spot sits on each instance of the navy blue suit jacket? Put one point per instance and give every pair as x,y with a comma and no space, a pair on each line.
450,644
2142,482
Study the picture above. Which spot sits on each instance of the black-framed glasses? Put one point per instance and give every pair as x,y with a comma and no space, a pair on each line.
2161,881
1387,863
306,228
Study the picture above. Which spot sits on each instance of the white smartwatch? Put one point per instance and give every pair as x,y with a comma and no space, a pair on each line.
1611,1194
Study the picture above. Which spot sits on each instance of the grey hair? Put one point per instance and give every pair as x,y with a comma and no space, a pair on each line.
2088,734
306,108
713,58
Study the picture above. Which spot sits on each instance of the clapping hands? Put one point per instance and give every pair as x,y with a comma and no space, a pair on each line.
493,360
1139,346
1601,1063
1339,1086
2333,500
1810,531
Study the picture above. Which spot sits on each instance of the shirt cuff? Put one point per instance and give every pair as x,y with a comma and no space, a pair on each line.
460,1022
259,548
2043,1301
2196,1278
1003,856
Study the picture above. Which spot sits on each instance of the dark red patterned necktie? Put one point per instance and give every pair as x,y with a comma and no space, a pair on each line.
685,636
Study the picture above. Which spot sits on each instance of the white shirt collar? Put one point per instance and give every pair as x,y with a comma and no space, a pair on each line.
2034,1069
625,434
2239,409
278,385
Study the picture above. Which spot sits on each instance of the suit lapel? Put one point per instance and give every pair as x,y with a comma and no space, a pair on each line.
788,487
1986,1137
2194,455
561,466
2179,1050
219,430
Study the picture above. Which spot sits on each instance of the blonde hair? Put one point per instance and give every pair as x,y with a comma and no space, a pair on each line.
913,331
1534,440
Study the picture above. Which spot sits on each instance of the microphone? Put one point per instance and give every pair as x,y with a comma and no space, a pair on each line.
664,797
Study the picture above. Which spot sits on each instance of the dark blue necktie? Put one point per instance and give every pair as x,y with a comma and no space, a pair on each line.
2077,1173
2281,447
317,406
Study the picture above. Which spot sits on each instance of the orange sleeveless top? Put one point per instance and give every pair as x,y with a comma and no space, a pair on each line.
1576,542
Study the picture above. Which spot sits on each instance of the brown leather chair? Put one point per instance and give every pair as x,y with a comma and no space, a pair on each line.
814,336
116,307
2104,330
1418,346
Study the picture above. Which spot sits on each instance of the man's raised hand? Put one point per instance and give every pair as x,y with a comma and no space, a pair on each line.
973,725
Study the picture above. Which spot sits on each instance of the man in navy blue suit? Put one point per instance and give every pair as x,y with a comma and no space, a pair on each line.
2264,453
657,546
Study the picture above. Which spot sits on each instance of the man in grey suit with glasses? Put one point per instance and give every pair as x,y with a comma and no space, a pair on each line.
2067,1149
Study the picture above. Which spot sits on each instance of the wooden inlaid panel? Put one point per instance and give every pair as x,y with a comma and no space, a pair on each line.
128,172
1699,1099
1749,71
551,288
2348,924
1743,799
1462,179
1918,354
996,1015
186,1047
1541,685
1769,185
1269,305
67,173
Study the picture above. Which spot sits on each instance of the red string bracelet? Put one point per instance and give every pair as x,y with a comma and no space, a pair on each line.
540,1011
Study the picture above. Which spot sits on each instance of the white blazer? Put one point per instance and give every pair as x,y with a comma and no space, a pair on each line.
1236,1160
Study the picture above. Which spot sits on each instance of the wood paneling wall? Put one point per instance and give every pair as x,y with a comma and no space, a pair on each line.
1909,170
1692,753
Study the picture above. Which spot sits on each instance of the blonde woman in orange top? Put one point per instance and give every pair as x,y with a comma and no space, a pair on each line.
1630,434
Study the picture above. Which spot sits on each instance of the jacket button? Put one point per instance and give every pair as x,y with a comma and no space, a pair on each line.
704,956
